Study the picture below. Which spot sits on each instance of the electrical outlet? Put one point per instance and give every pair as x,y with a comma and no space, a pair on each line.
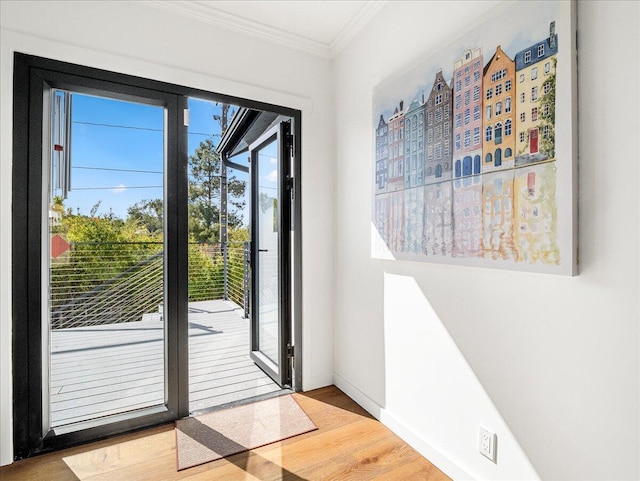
487,444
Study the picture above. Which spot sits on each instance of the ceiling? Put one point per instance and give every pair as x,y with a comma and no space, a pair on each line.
322,28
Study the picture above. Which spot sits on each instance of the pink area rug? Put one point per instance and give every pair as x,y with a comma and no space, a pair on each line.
230,431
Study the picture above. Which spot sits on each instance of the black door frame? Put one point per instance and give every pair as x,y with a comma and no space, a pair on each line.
32,76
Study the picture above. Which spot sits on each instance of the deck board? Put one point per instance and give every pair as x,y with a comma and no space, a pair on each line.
101,370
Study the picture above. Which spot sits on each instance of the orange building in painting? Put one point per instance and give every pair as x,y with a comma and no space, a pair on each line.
498,103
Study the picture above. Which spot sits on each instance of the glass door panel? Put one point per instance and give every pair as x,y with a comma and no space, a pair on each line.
267,225
105,240
270,239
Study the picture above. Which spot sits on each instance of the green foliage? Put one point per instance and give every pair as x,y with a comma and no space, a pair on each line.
148,214
548,144
204,194
239,234
206,271
103,247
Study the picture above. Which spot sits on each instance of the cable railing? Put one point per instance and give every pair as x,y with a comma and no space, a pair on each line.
208,278
109,283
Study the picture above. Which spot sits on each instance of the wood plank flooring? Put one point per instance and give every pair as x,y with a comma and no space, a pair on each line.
348,445
101,370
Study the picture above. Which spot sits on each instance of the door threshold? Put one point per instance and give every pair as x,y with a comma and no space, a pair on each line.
105,420
240,402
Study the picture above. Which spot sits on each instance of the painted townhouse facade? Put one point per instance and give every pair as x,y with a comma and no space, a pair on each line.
438,130
535,91
467,113
498,105
414,144
382,153
395,143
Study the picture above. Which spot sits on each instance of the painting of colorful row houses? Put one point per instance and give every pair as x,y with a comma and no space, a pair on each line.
466,161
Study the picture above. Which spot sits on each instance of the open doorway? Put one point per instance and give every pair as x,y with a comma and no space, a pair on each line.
135,271
221,226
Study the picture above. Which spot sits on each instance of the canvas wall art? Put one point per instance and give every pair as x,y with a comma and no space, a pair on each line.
475,147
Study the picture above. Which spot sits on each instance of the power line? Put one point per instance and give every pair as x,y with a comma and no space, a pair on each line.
116,126
120,187
206,135
118,170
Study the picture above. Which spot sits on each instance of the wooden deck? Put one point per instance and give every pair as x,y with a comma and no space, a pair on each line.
102,370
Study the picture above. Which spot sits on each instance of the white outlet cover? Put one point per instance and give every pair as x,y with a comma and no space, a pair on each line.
487,444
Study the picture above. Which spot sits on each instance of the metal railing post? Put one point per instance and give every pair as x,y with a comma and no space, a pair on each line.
225,271
224,240
246,278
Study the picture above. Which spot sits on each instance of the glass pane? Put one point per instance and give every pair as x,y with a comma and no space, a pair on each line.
268,226
106,262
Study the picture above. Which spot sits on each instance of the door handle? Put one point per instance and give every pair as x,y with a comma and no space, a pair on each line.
263,250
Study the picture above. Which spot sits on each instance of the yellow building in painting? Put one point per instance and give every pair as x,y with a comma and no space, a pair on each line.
535,91
498,113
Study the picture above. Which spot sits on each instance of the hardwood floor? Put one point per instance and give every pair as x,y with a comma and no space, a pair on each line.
348,445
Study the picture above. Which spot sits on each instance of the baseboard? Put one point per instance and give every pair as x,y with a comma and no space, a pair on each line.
317,382
358,396
408,435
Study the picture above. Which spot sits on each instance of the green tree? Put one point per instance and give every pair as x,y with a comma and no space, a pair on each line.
204,190
148,214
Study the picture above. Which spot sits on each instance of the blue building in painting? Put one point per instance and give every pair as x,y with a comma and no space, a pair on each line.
414,144
382,153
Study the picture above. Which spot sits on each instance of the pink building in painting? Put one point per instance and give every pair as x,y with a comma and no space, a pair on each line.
467,113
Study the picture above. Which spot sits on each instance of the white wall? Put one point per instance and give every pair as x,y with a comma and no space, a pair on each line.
552,365
558,381
132,38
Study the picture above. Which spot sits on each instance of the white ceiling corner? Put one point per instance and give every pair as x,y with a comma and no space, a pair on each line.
368,10
321,28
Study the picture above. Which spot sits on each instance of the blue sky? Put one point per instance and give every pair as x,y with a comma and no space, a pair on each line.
118,151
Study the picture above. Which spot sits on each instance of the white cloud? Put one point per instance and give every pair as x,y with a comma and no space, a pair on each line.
273,176
118,190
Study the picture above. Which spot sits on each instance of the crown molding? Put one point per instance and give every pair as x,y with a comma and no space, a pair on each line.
208,13
357,23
